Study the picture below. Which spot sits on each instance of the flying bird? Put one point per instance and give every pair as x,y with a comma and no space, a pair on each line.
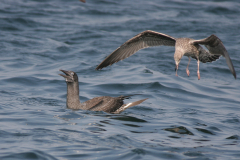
183,47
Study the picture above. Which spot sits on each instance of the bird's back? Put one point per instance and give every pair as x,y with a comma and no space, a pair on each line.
183,46
195,51
104,103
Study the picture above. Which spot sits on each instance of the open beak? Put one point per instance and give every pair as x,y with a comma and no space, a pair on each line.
68,77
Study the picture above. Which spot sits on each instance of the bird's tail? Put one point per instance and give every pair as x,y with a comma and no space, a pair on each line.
125,106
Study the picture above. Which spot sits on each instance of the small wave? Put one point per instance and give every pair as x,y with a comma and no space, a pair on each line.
35,154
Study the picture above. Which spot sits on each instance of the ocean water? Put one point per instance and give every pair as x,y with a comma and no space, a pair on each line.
184,118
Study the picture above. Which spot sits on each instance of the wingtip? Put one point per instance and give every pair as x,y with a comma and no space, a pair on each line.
233,72
99,67
235,76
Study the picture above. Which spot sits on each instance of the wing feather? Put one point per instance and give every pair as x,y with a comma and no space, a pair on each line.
216,47
142,40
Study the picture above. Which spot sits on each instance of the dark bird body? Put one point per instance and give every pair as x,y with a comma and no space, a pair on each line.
183,47
104,103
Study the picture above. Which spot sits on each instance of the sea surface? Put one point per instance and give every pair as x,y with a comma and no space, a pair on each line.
183,118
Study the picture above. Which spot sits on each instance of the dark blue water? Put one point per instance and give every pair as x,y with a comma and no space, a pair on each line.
184,118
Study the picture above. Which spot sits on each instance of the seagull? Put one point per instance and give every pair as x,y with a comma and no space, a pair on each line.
104,103
183,47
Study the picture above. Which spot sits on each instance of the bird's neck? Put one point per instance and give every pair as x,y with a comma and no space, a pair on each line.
73,101
178,56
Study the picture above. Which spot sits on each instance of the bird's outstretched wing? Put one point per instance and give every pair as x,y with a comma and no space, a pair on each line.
216,47
205,56
142,40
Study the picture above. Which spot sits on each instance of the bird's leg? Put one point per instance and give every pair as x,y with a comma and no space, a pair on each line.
176,68
187,70
198,72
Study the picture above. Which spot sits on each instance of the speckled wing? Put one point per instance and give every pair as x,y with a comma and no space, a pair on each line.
104,103
216,47
92,103
142,40
205,56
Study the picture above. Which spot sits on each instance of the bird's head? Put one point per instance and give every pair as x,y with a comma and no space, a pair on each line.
177,59
69,76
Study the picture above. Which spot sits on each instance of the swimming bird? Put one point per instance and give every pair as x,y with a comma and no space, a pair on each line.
183,47
104,103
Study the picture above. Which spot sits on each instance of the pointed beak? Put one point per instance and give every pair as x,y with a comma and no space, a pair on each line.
67,77
66,72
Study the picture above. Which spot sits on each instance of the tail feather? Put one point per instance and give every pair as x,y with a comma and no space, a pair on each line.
125,106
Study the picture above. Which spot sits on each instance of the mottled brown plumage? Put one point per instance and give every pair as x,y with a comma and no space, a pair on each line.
183,47
104,103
